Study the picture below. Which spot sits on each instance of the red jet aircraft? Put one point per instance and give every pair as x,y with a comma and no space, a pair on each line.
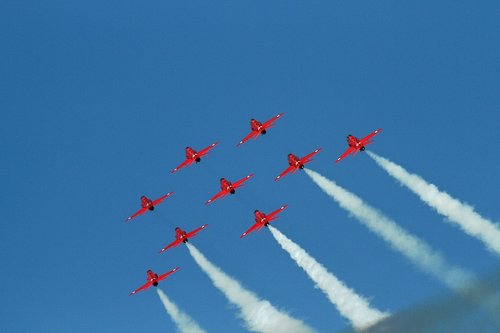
262,220
194,156
356,145
153,279
182,237
297,163
228,187
148,204
259,128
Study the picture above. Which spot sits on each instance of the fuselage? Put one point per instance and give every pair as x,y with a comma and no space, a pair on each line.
256,125
152,277
294,161
352,141
146,203
192,154
226,185
180,234
260,217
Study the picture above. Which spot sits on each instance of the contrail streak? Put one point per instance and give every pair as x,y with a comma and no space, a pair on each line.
259,315
350,305
462,214
185,324
415,249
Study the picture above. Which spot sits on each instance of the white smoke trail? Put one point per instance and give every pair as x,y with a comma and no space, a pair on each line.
185,324
350,305
464,215
415,249
259,315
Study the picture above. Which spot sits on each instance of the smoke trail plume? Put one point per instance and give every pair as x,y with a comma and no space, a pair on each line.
259,315
464,215
475,309
416,250
185,324
348,303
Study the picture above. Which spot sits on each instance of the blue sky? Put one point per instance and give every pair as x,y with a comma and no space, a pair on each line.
100,98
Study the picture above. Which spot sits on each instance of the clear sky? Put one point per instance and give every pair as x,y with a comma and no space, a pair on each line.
100,98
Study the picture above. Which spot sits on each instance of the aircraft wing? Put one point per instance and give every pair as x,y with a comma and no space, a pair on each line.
165,275
144,286
307,158
139,212
240,182
205,151
248,137
347,152
159,200
273,215
173,244
183,164
256,226
195,231
221,193
287,170
270,122
366,139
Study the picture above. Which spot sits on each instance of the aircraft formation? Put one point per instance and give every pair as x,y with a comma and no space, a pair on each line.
227,187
